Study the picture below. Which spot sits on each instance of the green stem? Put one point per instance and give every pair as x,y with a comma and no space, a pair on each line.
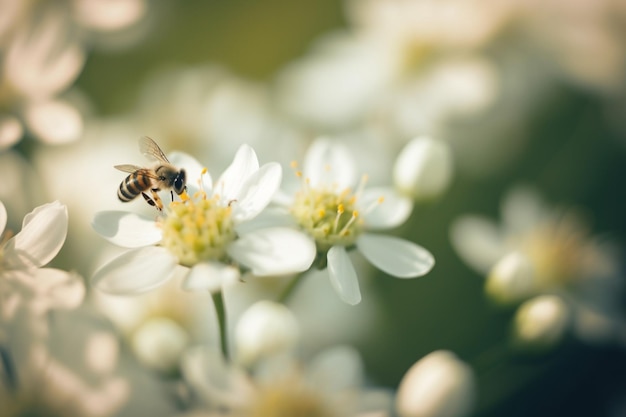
282,298
218,302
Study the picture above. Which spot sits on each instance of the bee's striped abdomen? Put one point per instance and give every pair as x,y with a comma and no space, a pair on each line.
133,185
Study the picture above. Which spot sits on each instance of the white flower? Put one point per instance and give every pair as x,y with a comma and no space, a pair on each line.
423,169
540,250
274,382
78,369
22,278
205,235
339,218
438,385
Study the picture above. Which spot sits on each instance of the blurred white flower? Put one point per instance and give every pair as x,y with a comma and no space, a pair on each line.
43,49
438,385
563,31
338,218
74,367
204,234
423,169
420,24
23,281
541,321
329,385
161,324
540,250
338,83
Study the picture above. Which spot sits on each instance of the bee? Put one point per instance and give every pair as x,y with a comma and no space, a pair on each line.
161,176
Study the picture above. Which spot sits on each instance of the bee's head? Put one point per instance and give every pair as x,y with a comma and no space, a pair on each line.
179,182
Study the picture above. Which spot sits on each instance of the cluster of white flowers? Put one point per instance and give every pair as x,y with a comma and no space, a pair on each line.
255,289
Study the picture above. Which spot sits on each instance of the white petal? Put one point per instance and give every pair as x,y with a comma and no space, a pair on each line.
126,229
383,208
3,217
55,122
398,257
274,251
478,242
63,289
343,276
11,131
522,209
43,234
193,169
136,271
209,276
257,192
328,163
230,182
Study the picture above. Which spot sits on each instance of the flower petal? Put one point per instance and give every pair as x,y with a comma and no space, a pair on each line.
274,251
329,163
398,257
383,208
478,242
232,180
42,236
194,171
126,229
11,131
343,276
209,276
136,271
257,192
3,217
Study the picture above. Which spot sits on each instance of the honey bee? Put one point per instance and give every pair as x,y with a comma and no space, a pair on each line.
161,176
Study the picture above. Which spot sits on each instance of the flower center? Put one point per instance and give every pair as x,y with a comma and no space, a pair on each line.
329,216
290,399
198,229
558,251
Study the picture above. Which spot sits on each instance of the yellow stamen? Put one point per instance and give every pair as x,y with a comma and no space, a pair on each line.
345,229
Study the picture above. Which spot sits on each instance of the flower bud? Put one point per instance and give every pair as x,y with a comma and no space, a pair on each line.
264,329
438,385
540,322
159,343
511,279
423,169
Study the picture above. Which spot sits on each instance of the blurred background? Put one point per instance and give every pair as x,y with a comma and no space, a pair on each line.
530,93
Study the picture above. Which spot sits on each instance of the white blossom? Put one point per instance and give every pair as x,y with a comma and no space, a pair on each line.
338,218
205,234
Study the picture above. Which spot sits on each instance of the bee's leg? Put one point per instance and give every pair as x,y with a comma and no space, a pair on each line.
148,199
172,195
157,199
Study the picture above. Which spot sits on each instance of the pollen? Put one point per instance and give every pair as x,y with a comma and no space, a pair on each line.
198,230
327,215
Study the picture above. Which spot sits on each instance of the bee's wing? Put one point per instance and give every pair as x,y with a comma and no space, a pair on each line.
151,150
128,168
